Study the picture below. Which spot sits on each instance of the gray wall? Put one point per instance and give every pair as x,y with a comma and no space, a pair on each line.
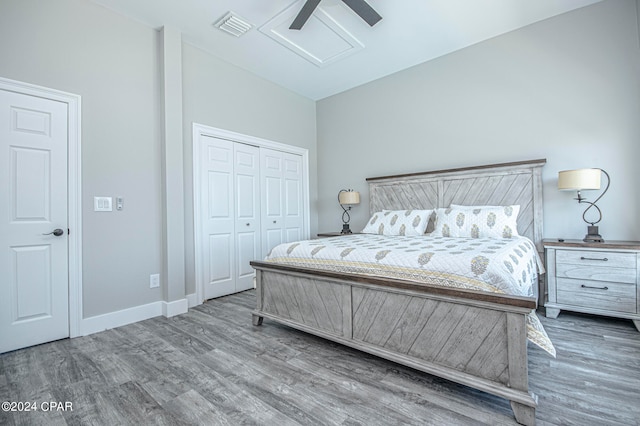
566,89
221,95
114,64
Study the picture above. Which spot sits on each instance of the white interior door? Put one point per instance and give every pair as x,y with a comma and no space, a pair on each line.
34,285
247,199
293,198
218,217
272,171
231,212
283,198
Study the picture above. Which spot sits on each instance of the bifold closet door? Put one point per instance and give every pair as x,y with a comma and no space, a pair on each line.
282,198
247,212
231,215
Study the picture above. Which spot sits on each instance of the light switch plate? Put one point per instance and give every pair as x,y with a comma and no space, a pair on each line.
102,204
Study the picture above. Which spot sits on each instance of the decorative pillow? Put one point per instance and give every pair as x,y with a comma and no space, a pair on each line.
477,221
398,222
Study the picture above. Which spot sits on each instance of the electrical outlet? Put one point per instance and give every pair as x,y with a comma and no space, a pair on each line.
154,280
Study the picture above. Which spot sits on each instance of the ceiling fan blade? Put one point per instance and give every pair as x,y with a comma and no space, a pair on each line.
304,15
365,11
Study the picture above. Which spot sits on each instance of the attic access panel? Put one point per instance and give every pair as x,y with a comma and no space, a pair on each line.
322,42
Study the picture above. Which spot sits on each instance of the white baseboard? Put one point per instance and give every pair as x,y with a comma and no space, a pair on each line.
129,316
177,307
193,300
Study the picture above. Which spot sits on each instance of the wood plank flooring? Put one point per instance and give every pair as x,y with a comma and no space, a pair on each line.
211,366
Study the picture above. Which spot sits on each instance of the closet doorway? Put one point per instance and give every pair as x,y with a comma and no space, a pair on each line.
250,194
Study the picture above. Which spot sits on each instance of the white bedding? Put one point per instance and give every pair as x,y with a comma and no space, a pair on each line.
506,266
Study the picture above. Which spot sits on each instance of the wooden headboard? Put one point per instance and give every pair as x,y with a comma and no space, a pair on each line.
496,185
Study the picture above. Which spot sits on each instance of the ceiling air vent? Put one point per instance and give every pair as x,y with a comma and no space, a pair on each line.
233,24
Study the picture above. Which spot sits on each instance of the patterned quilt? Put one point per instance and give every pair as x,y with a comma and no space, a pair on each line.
506,266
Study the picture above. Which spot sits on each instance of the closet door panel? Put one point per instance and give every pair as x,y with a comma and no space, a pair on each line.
292,234
272,172
247,248
272,237
247,223
292,198
219,258
273,197
220,201
293,202
218,217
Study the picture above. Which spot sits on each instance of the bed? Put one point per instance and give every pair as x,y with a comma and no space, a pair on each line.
452,328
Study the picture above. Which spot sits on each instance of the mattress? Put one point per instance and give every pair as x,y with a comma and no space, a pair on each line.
504,266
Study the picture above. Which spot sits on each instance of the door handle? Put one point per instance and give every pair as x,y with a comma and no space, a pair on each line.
57,232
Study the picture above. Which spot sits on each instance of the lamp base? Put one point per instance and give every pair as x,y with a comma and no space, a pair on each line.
345,229
592,235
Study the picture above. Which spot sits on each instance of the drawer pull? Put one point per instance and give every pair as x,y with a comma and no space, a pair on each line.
594,258
597,288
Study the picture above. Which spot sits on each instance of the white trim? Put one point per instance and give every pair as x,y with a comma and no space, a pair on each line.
74,190
192,300
127,316
177,307
202,130
119,318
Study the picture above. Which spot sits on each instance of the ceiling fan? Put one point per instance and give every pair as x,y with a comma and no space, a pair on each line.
360,7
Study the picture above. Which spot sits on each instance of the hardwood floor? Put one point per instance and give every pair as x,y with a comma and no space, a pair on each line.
211,366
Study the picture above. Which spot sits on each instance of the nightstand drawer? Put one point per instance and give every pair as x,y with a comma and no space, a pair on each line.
609,259
610,296
596,273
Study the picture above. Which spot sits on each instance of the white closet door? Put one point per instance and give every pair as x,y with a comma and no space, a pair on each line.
219,243
282,198
293,199
249,197
272,171
231,212
247,203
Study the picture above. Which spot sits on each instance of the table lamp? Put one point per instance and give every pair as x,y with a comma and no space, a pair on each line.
347,197
582,180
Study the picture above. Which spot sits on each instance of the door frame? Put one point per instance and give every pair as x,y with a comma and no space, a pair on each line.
203,130
74,189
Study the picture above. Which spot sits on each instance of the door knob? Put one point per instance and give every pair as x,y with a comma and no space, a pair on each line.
57,232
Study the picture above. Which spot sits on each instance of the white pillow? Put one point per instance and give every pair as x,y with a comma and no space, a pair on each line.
477,221
398,222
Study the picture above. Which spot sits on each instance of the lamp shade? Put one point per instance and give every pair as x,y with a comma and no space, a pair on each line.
579,179
349,197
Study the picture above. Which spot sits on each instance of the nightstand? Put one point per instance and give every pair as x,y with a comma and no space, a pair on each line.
595,278
334,234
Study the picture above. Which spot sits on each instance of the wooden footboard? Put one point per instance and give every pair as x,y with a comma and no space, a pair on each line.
477,339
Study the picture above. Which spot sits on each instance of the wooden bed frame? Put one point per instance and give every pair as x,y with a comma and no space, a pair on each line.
478,339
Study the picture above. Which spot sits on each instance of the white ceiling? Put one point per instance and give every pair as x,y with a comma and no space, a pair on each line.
342,50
